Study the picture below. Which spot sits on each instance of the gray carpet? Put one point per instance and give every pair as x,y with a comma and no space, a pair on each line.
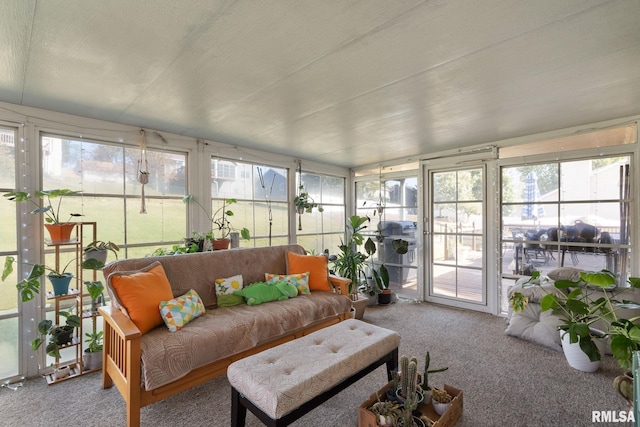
506,382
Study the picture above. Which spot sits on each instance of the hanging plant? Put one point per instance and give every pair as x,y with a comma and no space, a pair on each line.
304,202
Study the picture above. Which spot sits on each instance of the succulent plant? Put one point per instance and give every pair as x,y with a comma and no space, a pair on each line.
441,396
387,413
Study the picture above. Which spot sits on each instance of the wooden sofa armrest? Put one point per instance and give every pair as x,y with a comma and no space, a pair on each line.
340,283
119,322
121,359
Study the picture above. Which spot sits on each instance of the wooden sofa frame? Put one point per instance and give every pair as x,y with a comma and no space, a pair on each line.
121,358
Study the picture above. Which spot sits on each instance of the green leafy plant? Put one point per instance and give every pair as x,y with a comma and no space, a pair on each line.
95,290
380,275
582,303
30,286
304,203
51,208
221,226
99,245
175,250
59,335
94,341
349,262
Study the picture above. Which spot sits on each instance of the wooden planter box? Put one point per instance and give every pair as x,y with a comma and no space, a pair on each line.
367,418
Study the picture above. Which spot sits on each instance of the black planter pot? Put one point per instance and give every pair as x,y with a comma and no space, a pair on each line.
199,242
62,335
384,297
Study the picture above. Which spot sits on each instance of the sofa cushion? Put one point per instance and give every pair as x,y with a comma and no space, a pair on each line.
537,326
316,265
177,312
225,288
226,331
140,293
565,273
300,281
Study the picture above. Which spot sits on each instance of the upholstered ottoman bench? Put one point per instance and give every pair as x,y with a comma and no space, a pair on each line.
281,384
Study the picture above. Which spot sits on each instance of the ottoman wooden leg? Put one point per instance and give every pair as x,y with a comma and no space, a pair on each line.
238,410
392,364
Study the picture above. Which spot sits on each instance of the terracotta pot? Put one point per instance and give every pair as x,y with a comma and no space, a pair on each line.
220,244
60,233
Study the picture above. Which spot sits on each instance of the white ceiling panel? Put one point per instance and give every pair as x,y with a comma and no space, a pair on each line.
345,82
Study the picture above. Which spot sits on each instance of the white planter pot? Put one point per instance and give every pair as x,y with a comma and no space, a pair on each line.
440,408
576,357
97,254
61,372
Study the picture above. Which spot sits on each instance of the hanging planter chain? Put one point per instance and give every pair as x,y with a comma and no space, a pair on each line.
143,174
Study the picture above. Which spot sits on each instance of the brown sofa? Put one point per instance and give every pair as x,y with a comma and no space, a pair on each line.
143,369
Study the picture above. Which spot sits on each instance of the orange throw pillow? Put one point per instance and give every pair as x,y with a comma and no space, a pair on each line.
140,293
317,267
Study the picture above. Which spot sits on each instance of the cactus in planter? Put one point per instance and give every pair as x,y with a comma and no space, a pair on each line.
425,375
410,405
408,377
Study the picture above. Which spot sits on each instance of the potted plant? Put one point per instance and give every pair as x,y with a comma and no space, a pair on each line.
98,250
426,389
304,203
30,286
441,400
349,262
95,289
59,231
92,358
378,282
580,304
409,391
221,226
59,335
60,279
387,412
197,241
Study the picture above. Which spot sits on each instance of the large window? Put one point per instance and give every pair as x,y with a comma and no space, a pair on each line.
320,231
9,313
261,195
111,194
566,213
392,206
262,205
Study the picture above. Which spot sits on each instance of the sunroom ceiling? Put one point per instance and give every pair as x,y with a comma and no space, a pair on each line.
344,82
